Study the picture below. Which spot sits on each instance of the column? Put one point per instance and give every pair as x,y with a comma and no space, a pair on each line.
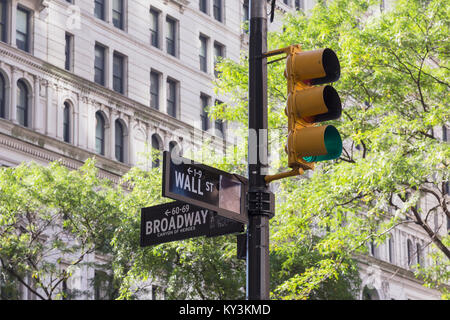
49,129
163,86
112,133
82,119
109,68
75,121
131,143
108,11
13,95
37,111
13,22
90,132
59,115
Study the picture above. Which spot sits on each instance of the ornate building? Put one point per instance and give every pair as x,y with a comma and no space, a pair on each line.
112,78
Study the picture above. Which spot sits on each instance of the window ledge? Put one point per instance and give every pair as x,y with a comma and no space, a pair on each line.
181,3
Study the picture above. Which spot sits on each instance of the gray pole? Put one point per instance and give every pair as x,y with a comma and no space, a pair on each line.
259,199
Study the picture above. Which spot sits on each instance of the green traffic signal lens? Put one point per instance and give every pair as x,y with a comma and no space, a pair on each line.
333,145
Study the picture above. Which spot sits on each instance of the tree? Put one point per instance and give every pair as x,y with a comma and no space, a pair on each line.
51,219
199,268
394,87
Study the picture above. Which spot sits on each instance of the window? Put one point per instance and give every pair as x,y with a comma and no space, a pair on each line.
66,122
157,293
2,96
118,73
217,10
99,134
172,97
3,22
22,103
119,141
419,253
99,9
245,15
99,65
409,249
391,249
372,248
156,146
204,115
370,294
218,124
117,13
65,289
102,286
171,36
299,5
218,52
23,29
407,196
154,90
203,6
203,55
69,51
444,133
154,27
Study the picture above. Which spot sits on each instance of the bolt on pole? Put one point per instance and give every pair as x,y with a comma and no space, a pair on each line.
258,197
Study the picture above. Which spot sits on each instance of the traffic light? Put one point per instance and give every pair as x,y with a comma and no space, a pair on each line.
309,102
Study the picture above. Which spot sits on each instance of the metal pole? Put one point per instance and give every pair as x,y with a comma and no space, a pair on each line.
258,227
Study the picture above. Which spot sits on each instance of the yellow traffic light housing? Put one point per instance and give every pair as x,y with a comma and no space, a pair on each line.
308,104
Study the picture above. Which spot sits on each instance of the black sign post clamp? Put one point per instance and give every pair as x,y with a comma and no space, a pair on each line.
261,201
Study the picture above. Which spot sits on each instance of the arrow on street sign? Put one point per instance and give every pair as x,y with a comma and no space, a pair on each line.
178,221
205,187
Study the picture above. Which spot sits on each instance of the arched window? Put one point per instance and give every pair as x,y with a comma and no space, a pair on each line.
409,248
155,145
22,103
370,294
372,249
119,141
419,253
99,134
66,122
2,96
391,249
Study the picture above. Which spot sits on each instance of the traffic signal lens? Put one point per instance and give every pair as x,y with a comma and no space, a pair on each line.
333,145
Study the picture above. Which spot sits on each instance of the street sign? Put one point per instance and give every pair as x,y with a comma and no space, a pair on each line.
205,186
178,221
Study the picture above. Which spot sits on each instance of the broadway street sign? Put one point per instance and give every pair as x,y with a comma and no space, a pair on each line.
178,221
205,186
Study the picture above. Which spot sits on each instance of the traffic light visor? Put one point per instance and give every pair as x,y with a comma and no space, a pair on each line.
314,67
315,104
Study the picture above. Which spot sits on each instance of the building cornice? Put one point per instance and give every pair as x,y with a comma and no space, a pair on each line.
47,149
390,268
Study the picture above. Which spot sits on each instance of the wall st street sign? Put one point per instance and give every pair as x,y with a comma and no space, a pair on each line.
205,187
178,221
